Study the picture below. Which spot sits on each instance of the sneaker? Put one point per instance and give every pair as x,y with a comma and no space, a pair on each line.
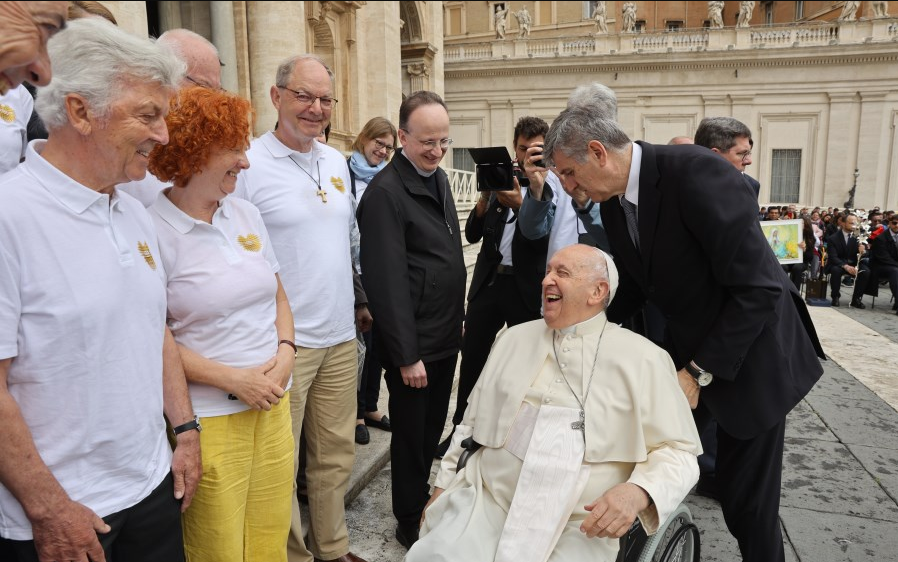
848,281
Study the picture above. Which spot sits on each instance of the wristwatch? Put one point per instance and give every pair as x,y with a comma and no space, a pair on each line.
192,424
701,376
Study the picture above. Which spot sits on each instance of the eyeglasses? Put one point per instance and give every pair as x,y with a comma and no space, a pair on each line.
893,222
743,155
381,146
430,145
306,99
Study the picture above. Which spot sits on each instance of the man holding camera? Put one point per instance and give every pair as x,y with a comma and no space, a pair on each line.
505,288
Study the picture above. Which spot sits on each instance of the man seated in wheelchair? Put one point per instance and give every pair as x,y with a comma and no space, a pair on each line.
583,428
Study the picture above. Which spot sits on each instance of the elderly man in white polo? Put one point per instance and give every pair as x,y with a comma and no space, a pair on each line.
583,429
87,366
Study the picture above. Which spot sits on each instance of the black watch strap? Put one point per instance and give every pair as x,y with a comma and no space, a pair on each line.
192,424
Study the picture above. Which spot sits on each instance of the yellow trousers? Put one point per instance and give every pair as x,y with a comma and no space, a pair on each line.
241,511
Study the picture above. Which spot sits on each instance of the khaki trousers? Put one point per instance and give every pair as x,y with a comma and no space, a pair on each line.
323,403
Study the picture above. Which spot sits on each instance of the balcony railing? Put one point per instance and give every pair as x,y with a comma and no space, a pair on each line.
684,40
463,185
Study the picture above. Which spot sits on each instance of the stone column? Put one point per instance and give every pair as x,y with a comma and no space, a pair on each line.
841,147
169,15
378,82
873,149
275,31
223,37
131,16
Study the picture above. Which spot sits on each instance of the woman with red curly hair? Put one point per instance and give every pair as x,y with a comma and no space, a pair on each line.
230,316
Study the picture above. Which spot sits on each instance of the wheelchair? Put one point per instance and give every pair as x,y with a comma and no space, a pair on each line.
677,539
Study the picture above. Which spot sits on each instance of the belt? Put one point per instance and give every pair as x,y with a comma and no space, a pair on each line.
504,269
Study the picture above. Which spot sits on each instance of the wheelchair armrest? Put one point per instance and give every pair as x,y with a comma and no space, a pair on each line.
470,447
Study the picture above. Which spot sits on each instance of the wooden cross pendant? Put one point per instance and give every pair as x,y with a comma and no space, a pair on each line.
581,423
323,194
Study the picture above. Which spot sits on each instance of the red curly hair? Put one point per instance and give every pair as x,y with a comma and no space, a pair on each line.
199,121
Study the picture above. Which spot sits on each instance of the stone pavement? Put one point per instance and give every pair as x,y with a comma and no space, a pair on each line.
840,467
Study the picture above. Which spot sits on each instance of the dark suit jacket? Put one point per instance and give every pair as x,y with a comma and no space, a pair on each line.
528,257
884,251
414,268
705,263
754,184
839,252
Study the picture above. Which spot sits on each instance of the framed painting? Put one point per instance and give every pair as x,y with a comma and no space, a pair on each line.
784,238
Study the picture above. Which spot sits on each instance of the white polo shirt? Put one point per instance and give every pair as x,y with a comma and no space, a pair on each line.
221,290
310,237
82,314
145,190
15,111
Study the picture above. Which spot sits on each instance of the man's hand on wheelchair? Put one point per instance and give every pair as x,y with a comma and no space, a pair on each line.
612,514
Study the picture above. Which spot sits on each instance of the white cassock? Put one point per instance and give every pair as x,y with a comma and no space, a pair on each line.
639,429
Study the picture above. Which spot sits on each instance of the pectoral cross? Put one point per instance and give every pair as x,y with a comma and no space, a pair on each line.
323,194
581,423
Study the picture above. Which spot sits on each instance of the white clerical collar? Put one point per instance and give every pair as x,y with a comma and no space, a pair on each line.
417,169
632,193
588,326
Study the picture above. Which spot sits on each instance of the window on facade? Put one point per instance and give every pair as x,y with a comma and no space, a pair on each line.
461,159
768,13
588,9
786,175
674,25
640,26
799,10
454,23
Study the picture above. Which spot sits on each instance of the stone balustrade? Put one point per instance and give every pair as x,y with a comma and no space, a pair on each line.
687,40
463,186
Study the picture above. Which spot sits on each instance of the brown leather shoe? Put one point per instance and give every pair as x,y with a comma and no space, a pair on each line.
348,557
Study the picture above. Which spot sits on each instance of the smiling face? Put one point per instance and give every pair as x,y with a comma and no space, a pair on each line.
427,125
25,28
218,178
122,140
299,124
572,289
377,150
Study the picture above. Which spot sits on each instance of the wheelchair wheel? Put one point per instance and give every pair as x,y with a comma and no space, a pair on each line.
676,541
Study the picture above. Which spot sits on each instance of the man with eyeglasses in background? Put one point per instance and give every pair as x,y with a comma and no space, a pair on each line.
203,69
302,189
731,139
415,279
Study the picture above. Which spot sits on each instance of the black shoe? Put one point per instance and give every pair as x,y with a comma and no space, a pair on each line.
848,281
856,303
407,535
383,423
836,301
361,435
707,487
895,306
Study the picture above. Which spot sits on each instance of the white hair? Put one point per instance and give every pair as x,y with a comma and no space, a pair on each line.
597,97
92,58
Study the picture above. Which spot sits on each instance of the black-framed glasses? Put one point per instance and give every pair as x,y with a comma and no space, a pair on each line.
306,99
444,144
381,146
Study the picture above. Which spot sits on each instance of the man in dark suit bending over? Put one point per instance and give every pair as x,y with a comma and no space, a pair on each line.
738,331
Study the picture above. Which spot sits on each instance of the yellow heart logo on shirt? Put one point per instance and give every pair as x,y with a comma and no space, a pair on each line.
7,113
250,242
338,184
144,250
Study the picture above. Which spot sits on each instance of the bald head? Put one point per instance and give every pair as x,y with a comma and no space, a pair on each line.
680,140
201,56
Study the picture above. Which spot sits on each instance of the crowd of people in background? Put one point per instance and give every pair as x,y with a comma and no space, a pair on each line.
194,322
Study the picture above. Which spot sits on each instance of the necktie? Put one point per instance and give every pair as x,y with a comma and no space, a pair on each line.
630,215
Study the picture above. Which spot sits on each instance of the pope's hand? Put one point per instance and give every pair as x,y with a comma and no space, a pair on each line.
689,386
611,515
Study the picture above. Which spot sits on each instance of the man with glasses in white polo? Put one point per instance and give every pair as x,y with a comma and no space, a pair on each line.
415,281
302,189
